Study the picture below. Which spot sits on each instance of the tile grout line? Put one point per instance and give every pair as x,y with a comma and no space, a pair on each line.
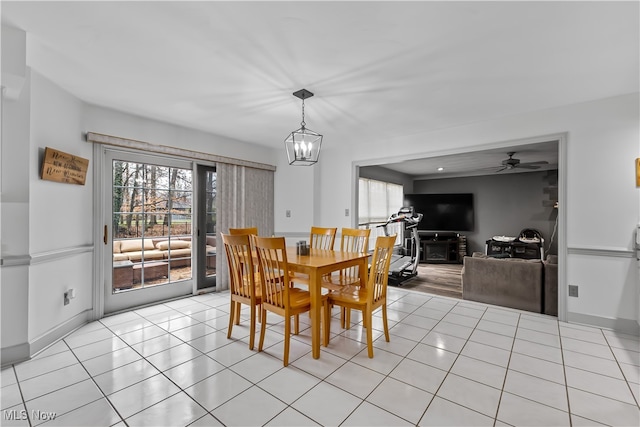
350,360
621,371
323,380
388,374
564,371
161,372
459,353
97,386
24,403
53,391
207,412
506,373
601,331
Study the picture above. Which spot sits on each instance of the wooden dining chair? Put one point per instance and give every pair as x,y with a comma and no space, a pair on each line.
277,296
252,231
368,298
322,238
242,281
246,230
351,240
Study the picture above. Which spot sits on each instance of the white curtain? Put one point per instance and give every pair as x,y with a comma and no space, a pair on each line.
244,199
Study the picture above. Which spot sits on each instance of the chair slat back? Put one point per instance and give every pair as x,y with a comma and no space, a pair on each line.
354,240
322,238
240,262
274,270
379,270
248,230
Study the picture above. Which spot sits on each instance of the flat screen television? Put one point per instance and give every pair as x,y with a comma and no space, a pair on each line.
443,212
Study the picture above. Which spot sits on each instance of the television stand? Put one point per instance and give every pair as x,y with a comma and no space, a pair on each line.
442,248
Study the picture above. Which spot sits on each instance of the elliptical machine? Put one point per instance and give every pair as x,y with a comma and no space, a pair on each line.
404,264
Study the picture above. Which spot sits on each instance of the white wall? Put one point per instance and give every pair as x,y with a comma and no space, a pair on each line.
602,200
338,183
294,192
60,215
14,193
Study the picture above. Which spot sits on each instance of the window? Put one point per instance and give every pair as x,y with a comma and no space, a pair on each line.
377,201
151,224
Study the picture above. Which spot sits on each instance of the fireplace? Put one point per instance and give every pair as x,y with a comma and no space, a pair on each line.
436,252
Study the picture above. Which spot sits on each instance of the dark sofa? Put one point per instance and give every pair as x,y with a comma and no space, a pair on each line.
508,282
524,284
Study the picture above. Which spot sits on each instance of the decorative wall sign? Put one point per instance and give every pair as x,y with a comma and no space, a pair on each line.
63,167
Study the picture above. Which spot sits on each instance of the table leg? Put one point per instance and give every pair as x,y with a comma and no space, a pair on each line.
362,270
316,305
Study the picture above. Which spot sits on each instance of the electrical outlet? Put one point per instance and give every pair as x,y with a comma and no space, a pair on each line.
288,213
573,291
69,295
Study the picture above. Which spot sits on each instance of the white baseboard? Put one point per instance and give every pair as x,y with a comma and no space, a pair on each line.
14,354
27,350
626,326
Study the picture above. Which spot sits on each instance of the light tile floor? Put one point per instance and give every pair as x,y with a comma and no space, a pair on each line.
449,362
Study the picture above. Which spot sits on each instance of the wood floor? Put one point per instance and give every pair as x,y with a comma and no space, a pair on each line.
437,279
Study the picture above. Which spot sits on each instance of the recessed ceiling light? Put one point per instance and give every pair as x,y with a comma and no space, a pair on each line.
440,169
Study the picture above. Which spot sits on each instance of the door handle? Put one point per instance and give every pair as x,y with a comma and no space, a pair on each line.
105,235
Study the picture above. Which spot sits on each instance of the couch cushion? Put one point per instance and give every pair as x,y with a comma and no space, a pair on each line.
120,257
178,253
173,244
148,255
135,245
116,246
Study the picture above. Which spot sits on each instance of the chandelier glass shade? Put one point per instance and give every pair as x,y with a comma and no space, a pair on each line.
303,145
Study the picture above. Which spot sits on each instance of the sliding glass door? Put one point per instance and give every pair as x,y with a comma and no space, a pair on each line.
207,219
150,238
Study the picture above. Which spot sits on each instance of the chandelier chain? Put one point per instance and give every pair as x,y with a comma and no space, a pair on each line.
302,122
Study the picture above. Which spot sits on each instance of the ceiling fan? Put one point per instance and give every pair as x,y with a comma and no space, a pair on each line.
512,163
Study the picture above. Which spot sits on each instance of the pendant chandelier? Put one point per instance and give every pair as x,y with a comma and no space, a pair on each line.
303,145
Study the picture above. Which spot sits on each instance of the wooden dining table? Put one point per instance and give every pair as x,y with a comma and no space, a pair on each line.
316,264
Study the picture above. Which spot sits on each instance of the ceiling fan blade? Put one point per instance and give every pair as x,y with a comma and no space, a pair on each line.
527,166
501,169
542,162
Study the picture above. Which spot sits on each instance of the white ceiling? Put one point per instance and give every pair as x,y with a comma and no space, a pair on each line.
386,69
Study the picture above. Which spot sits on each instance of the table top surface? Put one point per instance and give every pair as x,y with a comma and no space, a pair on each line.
320,258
